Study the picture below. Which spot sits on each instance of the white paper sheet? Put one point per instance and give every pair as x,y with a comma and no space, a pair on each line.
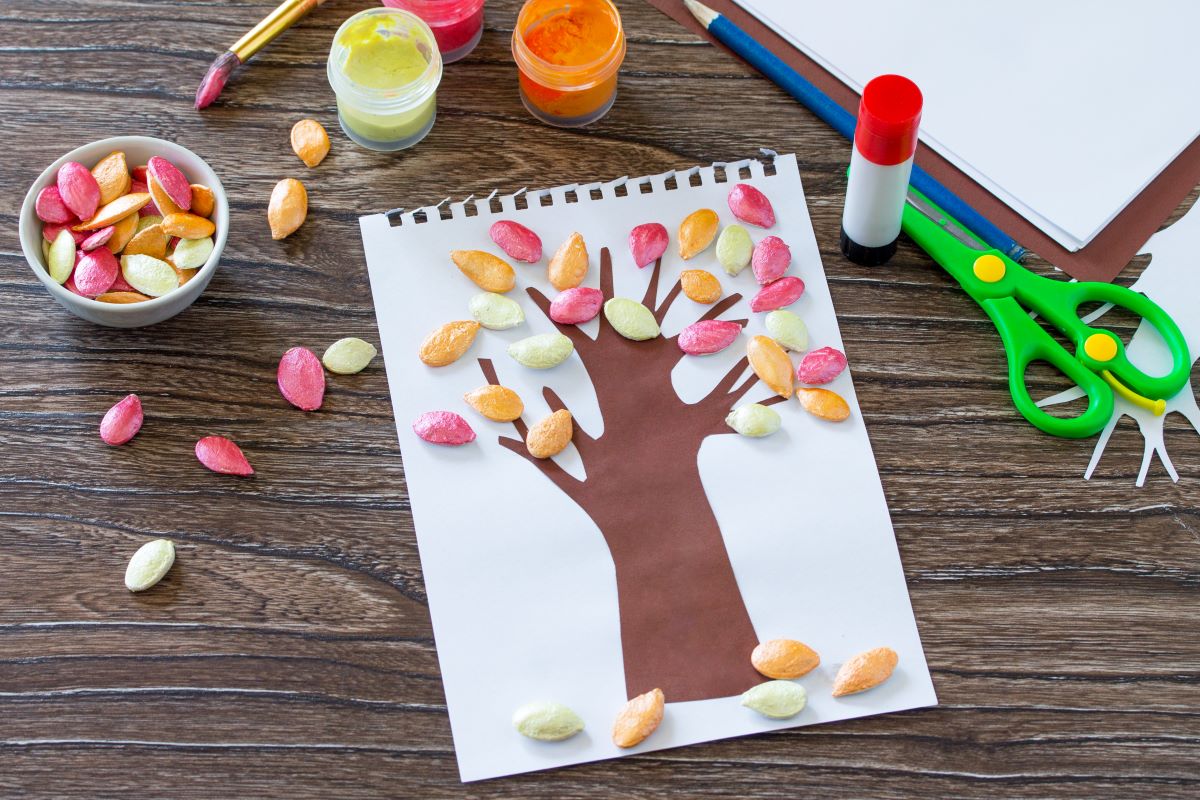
1063,110
520,582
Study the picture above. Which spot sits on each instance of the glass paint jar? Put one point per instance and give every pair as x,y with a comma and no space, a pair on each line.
456,24
568,53
385,67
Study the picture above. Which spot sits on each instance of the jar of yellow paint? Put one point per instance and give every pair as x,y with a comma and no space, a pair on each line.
384,67
568,53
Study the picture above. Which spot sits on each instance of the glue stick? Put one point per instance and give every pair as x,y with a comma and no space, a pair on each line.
885,141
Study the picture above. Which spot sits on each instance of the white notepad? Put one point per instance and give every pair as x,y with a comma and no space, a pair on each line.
521,582
1065,110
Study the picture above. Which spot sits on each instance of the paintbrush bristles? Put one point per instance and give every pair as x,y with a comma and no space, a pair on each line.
215,78
701,12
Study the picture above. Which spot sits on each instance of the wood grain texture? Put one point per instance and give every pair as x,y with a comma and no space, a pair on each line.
289,652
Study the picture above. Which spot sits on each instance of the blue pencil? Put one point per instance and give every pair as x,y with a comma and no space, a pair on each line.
843,121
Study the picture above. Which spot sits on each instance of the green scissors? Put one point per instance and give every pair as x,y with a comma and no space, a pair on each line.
1008,292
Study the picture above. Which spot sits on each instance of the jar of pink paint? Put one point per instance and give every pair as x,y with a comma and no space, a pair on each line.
457,25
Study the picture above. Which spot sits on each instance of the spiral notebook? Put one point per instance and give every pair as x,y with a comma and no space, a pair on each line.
660,546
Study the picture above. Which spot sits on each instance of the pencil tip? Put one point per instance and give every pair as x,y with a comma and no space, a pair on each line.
701,12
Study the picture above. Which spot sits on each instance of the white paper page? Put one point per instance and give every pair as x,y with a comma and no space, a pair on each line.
1063,110
520,581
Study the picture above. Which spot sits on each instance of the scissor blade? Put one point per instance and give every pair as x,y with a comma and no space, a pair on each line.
944,222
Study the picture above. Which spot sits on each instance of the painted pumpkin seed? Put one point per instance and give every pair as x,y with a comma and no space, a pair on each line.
734,248
550,435
639,718
95,272
865,671
788,329
300,378
700,286
173,182
118,209
443,427
149,275
517,241
576,306
147,221
447,343
569,265
188,226
348,356
112,176
160,199
697,231
489,273
78,189
310,141
61,259
708,336
776,699
543,351
784,658
777,294
821,366
647,243
122,422
547,722
49,207
203,200
631,319
497,403
771,364
496,312
824,404
123,231
98,238
151,241
750,205
122,298
287,209
192,253
222,455
754,420
149,564
771,259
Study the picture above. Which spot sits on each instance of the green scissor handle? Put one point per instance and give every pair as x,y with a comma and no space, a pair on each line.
1026,342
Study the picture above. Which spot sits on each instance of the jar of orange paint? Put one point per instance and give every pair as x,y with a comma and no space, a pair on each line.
568,53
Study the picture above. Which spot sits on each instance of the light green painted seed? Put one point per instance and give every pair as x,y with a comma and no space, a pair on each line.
45,252
348,356
631,319
776,699
146,222
192,253
788,329
61,259
149,564
547,722
496,312
754,419
734,248
149,275
543,351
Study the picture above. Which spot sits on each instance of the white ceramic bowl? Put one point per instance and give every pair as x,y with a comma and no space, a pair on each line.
138,150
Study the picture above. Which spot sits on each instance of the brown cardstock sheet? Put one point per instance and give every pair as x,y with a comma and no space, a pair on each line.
1101,260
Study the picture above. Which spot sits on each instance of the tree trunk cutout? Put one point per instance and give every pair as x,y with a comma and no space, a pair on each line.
684,625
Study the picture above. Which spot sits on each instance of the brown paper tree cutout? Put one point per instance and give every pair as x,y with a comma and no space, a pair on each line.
684,625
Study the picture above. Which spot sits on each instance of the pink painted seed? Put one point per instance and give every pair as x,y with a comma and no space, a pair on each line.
50,206
750,205
517,241
78,189
576,306
443,427
122,422
221,455
301,378
708,336
172,181
779,294
95,271
647,243
98,238
821,366
771,259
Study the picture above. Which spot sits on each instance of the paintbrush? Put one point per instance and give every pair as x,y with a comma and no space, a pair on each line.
262,34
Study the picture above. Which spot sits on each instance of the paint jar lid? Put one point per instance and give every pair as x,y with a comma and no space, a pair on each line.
889,115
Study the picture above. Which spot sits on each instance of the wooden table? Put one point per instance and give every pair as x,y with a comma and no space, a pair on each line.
289,652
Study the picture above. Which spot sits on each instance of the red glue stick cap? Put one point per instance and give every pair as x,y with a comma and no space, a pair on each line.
888,117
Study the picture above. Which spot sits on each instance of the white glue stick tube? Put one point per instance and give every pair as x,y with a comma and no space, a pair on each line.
885,142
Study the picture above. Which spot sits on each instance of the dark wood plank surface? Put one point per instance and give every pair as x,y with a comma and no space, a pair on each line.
289,653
